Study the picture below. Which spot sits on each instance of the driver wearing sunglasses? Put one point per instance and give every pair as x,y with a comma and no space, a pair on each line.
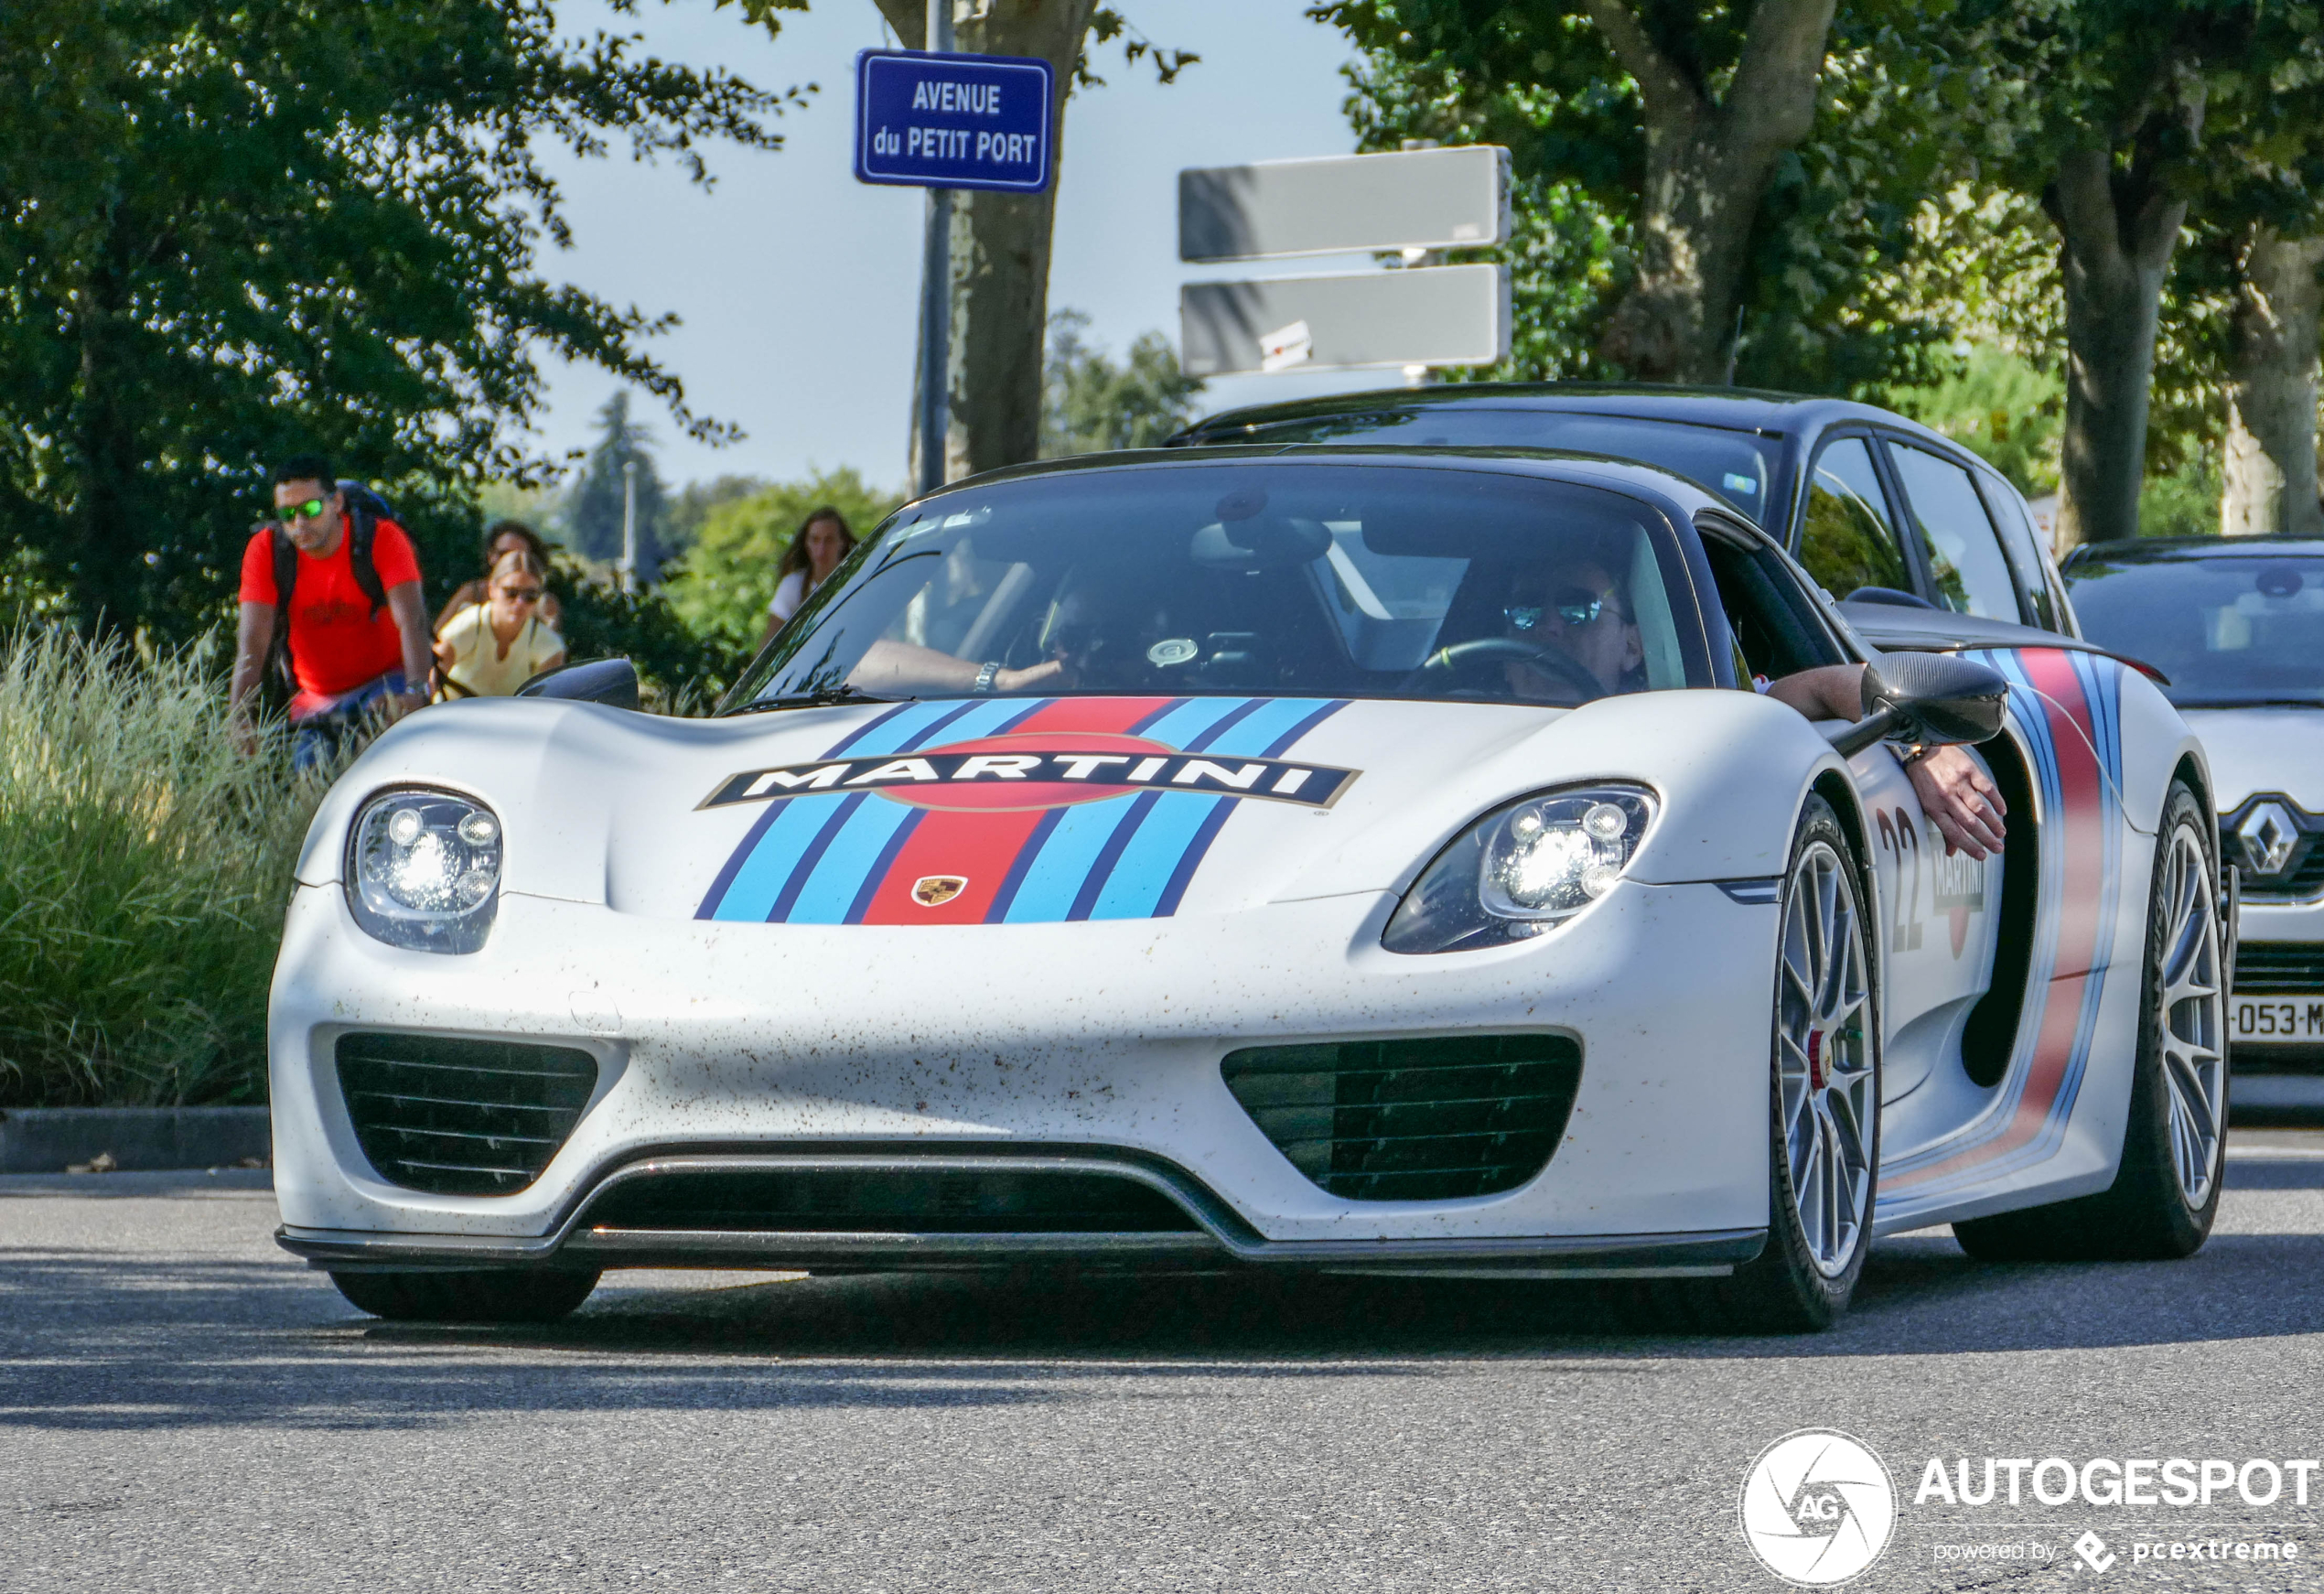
1577,610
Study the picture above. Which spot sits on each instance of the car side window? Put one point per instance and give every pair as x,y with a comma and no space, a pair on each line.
1767,612
1965,562
2024,544
1847,541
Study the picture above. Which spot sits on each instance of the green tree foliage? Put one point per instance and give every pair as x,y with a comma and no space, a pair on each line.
1909,100
721,588
234,228
1090,405
2003,406
592,511
684,512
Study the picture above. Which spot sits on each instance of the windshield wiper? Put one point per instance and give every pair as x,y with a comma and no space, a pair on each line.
821,698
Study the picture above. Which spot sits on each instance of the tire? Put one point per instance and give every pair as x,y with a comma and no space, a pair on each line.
532,1294
1823,1095
2167,1184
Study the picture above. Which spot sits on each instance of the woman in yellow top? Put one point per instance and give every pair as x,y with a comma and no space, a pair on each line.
490,648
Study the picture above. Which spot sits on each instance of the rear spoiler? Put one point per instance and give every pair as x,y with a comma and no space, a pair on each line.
1894,628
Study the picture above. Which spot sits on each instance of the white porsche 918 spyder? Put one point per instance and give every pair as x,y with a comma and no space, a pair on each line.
1360,861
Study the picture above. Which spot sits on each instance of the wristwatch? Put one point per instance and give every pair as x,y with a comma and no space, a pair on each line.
987,677
1915,753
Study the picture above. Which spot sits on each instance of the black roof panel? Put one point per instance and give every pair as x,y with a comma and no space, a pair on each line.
1744,409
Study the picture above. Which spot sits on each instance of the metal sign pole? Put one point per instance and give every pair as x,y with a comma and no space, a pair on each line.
936,299
628,568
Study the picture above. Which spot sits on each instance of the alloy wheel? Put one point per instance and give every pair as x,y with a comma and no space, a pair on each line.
1825,1059
2193,1022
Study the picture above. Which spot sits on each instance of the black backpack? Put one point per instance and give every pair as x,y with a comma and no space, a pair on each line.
365,510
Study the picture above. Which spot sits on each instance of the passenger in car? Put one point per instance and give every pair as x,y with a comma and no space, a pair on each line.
1579,612
1959,799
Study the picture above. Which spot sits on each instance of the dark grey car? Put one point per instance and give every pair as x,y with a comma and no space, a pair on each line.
1875,506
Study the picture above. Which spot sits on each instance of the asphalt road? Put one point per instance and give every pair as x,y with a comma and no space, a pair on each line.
182,1407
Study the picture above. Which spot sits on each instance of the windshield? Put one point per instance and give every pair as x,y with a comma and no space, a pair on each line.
2233,629
1291,579
1734,465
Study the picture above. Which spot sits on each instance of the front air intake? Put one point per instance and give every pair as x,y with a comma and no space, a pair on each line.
886,1198
461,1118
1424,1120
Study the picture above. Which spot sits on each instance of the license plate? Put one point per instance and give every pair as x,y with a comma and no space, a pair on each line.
2275,1020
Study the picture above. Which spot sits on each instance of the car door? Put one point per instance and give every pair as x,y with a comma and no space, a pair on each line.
1847,535
1935,917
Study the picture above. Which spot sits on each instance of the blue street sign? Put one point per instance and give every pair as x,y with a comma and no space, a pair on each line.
953,121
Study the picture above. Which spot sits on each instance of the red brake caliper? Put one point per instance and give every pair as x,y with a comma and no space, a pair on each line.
1815,1060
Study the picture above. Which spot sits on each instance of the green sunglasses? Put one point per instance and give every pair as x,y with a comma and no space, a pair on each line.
311,510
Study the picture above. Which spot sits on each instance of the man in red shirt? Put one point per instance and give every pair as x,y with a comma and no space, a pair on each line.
353,658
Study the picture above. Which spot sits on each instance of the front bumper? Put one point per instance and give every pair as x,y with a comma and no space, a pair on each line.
1218,1241
1084,1043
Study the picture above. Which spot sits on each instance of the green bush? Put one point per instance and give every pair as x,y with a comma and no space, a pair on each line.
681,671
722,586
145,865
2181,503
2004,408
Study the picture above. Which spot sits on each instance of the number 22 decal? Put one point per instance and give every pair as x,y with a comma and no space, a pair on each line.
1898,836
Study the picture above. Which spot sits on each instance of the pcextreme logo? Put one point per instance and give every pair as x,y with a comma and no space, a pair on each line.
1817,1508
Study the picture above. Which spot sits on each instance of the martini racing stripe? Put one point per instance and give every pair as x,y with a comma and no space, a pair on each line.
981,846
757,882
2067,707
1172,836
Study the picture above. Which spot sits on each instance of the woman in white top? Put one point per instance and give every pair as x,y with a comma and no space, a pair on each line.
490,648
822,543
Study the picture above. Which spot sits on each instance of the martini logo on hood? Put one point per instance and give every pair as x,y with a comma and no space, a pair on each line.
1040,772
1013,812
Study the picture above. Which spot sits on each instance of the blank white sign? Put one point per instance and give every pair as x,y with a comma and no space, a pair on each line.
1445,315
1418,199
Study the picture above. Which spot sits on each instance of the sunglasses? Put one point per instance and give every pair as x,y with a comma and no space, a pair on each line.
521,594
1576,606
311,510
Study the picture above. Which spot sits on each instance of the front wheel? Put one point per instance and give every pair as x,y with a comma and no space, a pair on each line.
507,1295
1823,1100
2165,1189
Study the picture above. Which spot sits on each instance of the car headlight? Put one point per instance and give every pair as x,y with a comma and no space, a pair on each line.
1521,869
424,870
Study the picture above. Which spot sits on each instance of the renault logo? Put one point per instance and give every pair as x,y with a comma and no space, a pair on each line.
2268,833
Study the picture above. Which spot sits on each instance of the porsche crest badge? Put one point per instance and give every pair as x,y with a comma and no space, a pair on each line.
935,890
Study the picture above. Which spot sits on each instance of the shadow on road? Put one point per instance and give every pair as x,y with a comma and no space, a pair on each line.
95,1340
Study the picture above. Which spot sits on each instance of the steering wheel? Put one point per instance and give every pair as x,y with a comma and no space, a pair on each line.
1463,657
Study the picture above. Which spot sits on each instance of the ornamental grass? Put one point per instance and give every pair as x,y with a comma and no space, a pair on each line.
144,867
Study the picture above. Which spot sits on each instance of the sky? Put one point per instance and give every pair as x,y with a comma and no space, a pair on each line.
797,286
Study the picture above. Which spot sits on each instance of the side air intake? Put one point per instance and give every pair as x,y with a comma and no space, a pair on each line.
461,1118
1434,1119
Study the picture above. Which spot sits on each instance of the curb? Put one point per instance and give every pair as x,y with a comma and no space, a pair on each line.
137,1139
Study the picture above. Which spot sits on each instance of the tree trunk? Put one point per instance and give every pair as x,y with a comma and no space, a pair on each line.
1708,166
2270,393
108,562
2116,231
1000,247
